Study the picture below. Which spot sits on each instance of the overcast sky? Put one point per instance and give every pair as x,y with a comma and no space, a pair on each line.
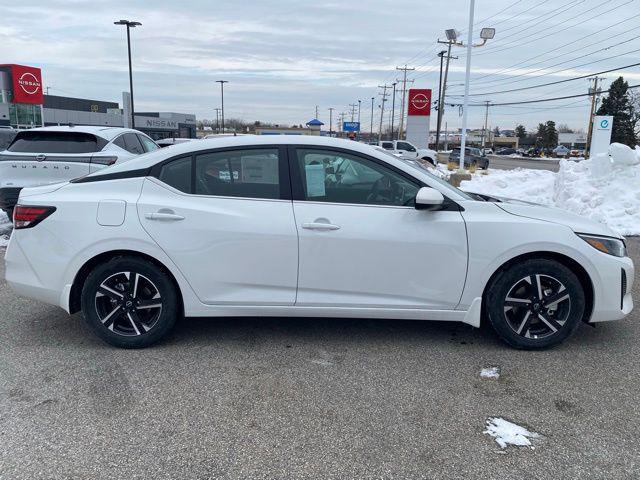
284,57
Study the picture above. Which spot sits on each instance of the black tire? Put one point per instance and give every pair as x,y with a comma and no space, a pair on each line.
129,311
524,319
430,160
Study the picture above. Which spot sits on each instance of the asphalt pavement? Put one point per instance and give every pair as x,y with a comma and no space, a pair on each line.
506,162
311,398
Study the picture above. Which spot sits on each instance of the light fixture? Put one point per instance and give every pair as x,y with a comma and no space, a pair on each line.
452,35
487,33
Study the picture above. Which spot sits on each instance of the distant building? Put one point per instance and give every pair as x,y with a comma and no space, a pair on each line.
577,141
312,128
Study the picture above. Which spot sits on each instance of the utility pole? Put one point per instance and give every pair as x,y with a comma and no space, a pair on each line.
393,109
595,94
384,99
371,132
331,109
352,110
486,117
222,82
359,127
443,88
446,136
316,117
404,71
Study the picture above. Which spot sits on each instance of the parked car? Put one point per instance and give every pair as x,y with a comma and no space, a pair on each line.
306,226
487,151
472,156
576,153
560,151
46,155
408,151
167,142
506,151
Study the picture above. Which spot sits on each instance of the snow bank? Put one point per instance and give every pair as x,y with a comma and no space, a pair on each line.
507,433
5,229
604,188
490,372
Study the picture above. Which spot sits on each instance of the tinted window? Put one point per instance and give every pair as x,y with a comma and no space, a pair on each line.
406,146
132,144
177,174
387,145
148,144
342,178
238,173
56,142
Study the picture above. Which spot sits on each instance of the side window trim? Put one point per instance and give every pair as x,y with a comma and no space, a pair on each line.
297,187
283,169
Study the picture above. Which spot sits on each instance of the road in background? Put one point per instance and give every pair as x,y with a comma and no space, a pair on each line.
507,162
311,398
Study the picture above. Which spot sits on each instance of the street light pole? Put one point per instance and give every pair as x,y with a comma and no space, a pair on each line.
467,76
331,109
222,82
359,107
129,24
371,132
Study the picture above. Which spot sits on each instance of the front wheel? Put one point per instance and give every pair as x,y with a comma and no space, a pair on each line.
129,302
536,304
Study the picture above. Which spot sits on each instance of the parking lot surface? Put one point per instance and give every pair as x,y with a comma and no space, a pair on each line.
311,398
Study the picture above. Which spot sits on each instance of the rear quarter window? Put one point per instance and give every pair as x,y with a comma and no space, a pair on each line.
56,142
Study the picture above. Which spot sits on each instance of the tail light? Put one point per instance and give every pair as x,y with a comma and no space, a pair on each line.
30,216
104,160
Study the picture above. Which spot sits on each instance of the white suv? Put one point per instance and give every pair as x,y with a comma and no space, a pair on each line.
41,156
408,151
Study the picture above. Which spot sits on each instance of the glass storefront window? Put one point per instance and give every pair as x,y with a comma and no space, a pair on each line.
23,115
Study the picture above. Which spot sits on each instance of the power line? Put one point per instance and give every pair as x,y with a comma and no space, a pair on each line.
551,83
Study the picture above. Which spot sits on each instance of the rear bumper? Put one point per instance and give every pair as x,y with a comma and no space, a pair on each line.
9,197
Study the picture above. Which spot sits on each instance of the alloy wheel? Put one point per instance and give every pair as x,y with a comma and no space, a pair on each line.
537,306
128,303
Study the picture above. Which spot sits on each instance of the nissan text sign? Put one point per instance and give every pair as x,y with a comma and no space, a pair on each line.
27,84
420,101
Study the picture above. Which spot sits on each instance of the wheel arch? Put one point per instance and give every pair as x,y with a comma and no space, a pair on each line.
89,265
570,263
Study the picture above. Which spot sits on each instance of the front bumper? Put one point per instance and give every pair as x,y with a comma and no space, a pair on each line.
612,299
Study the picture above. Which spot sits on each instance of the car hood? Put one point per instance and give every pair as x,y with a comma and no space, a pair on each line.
535,211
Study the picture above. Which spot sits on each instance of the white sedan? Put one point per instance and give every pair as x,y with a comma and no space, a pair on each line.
306,226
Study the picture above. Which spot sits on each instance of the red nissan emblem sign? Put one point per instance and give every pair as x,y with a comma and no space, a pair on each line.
27,84
420,101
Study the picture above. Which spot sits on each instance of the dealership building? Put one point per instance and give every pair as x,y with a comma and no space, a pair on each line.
24,105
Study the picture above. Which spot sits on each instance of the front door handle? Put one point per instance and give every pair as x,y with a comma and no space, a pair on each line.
163,216
320,226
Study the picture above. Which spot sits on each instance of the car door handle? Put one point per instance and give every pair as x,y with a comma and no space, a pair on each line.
163,216
320,226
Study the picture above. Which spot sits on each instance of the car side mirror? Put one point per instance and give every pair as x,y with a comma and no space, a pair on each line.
429,199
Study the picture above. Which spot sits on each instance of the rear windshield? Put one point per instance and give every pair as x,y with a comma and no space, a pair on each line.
56,142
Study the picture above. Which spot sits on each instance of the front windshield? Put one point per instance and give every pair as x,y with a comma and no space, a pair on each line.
423,169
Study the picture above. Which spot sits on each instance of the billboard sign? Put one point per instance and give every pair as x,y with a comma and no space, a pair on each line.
350,126
601,134
27,84
419,102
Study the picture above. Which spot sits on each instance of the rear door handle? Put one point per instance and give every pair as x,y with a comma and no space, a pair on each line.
320,226
163,216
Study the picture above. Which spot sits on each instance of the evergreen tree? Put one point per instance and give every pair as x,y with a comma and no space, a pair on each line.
619,104
521,132
551,137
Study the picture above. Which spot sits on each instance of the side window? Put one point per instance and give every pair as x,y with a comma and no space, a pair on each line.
120,142
148,144
132,144
252,173
406,146
177,173
329,176
387,145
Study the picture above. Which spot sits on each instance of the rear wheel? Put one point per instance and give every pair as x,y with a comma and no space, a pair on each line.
129,302
535,304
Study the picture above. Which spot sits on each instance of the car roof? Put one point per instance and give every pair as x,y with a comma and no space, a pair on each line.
151,158
108,133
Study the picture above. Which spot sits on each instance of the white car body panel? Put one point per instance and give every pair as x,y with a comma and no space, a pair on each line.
272,266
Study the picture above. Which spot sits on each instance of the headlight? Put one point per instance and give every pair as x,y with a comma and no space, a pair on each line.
612,246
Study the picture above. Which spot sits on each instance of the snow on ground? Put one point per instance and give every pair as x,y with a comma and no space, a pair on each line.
605,188
490,372
5,229
506,433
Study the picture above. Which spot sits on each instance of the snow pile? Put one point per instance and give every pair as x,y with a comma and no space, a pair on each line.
506,433
491,372
5,229
605,188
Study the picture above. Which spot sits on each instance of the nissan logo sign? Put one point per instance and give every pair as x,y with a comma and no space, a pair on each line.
420,101
40,157
29,83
